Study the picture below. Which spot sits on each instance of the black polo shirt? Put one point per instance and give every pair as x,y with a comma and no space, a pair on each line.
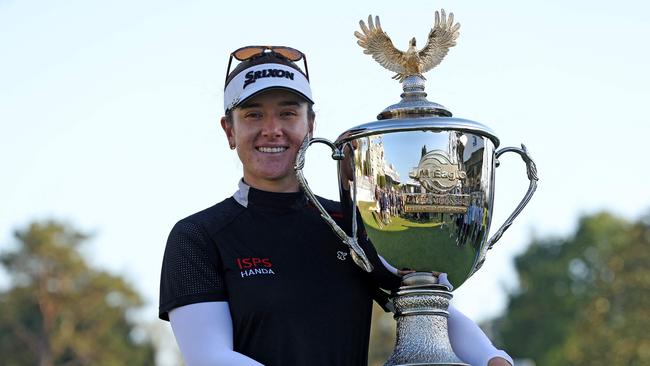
295,295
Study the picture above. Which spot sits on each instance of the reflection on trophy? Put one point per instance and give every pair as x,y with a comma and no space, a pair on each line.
422,183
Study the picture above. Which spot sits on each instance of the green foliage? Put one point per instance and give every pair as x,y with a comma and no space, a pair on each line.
583,300
60,311
382,336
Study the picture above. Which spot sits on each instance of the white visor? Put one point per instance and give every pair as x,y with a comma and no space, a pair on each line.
262,77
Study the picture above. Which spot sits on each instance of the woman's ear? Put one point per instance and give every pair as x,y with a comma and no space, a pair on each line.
228,129
311,129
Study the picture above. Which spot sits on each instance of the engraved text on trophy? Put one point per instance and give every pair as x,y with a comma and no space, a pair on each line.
441,178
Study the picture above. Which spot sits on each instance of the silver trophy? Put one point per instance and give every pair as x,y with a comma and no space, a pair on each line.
422,183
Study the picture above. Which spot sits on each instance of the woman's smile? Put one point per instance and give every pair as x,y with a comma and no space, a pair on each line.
271,149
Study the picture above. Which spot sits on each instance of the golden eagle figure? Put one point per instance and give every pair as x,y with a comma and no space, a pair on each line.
412,62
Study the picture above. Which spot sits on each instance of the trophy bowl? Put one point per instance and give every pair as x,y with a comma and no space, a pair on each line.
424,188
422,183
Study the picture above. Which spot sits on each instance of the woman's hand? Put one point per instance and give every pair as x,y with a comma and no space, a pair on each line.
498,361
404,272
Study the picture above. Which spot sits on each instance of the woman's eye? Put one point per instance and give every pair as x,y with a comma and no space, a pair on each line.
253,115
289,113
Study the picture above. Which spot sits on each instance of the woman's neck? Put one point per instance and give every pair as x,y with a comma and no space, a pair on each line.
279,186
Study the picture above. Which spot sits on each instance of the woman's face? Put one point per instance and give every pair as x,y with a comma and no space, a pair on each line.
267,131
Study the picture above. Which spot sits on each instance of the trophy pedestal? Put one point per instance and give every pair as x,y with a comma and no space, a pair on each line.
421,313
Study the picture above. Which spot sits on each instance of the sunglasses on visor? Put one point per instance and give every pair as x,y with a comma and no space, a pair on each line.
249,52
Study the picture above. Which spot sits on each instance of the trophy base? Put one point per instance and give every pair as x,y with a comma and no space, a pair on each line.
421,314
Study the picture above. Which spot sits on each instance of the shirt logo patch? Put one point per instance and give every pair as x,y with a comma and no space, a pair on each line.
254,266
341,255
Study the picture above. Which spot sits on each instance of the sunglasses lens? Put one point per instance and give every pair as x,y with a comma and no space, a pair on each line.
288,52
246,53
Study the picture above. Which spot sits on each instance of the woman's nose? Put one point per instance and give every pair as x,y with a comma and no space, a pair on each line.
271,126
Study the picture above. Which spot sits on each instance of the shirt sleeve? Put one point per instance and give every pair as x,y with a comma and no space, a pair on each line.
204,335
469,342
191,270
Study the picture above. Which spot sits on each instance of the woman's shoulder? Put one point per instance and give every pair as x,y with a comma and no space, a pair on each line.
214,217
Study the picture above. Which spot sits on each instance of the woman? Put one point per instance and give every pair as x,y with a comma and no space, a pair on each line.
259,278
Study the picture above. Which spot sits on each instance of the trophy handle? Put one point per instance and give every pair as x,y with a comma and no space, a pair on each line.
531,170
357,253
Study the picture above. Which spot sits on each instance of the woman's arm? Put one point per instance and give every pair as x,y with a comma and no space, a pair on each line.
471,344
203,332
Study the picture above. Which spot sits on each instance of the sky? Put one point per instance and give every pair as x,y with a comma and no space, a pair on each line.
109,112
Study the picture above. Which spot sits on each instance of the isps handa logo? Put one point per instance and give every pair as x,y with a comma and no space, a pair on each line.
254,266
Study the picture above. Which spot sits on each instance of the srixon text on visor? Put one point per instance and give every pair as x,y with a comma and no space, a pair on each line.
252,76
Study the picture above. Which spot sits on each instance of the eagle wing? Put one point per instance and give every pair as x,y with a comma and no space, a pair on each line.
376,43
442,37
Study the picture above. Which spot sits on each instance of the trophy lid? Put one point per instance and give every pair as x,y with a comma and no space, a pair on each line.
417,120
414,102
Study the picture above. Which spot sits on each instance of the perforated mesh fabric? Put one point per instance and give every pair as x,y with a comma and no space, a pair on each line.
190,269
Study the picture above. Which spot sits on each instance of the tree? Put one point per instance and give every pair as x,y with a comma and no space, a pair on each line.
59,311
382,336
583,300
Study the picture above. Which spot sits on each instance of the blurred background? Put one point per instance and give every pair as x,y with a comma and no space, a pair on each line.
109,134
